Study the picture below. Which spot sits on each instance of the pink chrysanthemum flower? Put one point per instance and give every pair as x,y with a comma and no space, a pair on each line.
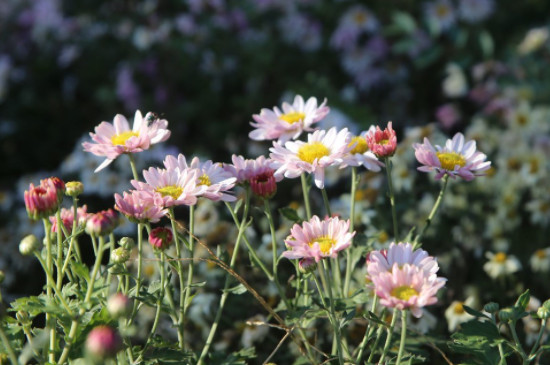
112,140
382,142
67,218
407,287
245,169
161,238
43,200
360,154
101,223
212,176
317,239
167,188
138,208
288,123
456,158
402,253
322,149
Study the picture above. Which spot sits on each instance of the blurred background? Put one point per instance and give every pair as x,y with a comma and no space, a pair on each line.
432,67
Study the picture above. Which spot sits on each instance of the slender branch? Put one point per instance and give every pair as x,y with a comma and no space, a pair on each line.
392,198
432,213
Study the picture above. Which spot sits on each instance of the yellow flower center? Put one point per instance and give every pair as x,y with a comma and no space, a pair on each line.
312,151
120,139
540,254
171,190
500,257
442,11
384,142
459,308
383,237
522,119
403,292
293,117
449,160
360,18
325,244
205,180
360,145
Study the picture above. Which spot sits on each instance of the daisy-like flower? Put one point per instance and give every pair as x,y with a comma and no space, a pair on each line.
317,239
212,176
112,140
456,315
407,287
288,123
382,142
441,14
167,188
322,149
540,260
137,208
360,154
400,254
501,264
456,158
246,169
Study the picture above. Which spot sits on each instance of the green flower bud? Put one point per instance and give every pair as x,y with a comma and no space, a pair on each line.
127,242
74,188
543,312
506,314
28,245
120,255
491,307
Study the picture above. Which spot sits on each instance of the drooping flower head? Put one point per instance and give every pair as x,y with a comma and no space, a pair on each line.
167,188
360,154
112,140
382,142
317,239
407,287
322,149
43,200
136,206
288,123
456,158
101,223
215,180
67,218
161,237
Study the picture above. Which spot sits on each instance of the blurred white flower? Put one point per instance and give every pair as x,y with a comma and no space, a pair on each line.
501,264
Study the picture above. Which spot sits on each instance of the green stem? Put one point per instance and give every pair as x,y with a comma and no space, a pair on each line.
539,337
177,244
109,275
367,332
133,166
388,339
139,272
403,336
326,202
392,198
336,326
225,292
305,192
519,348
351,229
191,267
54,287
49,283
8,347
432,213
267,209
59,258
73,237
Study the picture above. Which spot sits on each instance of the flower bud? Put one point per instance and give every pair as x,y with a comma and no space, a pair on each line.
74,188
120,255
43,200
101,223
103,343
119,306
543,312
161,238
491,307
264,185
506,314
307,265
127,242
28,245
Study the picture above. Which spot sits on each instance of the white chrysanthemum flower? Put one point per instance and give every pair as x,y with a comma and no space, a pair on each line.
540,260
501,264
456,315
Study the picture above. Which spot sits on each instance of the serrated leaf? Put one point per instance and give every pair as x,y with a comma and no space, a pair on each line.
479,339
290,214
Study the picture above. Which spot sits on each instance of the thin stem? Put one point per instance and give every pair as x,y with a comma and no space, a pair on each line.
109,275
191,266
367,332
73,237
139,271
49,283
59,258
403,336
326,202
392,197
8,347
539,337
351,229
388,339
267,209
336,326
177,244
54,287
432,213
305,192
133,166
519,348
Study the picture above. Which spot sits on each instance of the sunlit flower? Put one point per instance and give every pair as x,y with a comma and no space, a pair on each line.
67,218
407,287
288,123
43,200
215,180
382,142
322,149
101,223
137,208
534,39
455,313
456,158
161,237
167,188
112,140
317,239
360,154
245,169
264,184
501,264
540,260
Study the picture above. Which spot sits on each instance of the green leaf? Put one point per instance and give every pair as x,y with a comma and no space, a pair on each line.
290,214
404,21
486,43
474,312
237,290
478,339
523,301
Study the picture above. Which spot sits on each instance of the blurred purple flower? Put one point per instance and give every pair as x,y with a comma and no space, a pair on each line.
126,89
475,11
447,115
441,14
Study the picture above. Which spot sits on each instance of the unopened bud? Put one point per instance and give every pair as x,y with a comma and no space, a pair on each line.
118,305
28,245
120,255
102,343
307,265
74,188
543,313
491,307
506,314
127,242
161,237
